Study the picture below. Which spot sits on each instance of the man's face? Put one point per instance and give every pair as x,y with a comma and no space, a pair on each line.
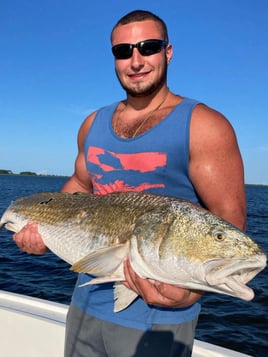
141,75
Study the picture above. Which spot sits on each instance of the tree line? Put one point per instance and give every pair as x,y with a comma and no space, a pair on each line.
9,172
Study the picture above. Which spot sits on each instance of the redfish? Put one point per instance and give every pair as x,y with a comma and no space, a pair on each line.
166,239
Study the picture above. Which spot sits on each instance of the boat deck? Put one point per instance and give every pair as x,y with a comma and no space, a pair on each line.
35,327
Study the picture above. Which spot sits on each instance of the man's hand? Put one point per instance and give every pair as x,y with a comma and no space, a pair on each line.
157,293
29,240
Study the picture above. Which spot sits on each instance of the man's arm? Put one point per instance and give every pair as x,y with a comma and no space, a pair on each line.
80,180
216,167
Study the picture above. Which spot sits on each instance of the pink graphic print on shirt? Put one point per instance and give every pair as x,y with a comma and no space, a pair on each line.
112,171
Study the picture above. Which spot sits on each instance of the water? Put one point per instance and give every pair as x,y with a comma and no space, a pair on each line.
225,321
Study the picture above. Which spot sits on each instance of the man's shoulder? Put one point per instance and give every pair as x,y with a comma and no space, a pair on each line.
206,113
210,124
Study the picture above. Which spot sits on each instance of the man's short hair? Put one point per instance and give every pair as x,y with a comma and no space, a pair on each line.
142,15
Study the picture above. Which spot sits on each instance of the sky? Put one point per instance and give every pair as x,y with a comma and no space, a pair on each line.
56,67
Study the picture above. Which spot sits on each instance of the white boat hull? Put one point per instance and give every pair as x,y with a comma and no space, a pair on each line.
32,327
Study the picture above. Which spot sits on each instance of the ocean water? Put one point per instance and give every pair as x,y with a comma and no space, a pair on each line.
225,321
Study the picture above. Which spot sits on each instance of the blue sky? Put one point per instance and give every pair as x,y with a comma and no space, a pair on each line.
56,67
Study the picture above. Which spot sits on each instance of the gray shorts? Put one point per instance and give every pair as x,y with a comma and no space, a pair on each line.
87,336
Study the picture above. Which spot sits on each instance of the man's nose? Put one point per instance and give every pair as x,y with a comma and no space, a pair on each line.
137,60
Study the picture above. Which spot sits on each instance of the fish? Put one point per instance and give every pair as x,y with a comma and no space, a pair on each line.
165,238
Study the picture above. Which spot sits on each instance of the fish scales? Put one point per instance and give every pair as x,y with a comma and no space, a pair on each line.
166,239
98,220
115,214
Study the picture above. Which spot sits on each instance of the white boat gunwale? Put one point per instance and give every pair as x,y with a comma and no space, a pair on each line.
37,327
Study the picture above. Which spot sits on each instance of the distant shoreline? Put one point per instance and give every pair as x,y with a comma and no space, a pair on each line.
33,175
52,175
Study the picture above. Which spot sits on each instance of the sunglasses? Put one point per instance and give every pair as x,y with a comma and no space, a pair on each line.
145,48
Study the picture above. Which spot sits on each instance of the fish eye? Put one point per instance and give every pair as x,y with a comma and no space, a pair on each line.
218,236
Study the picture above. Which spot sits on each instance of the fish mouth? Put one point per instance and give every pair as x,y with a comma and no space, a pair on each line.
231,276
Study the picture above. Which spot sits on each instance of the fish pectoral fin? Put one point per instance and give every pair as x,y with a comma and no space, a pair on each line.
102,262
102,280
123,297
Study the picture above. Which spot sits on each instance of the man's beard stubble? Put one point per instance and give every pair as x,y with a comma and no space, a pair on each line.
143,91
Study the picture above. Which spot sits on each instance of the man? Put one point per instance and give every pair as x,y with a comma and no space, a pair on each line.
160,142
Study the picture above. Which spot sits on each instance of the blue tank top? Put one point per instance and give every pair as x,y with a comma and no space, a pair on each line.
155,161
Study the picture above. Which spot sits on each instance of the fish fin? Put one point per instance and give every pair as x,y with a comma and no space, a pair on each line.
102,280
105,279
117,275
123,297
102,262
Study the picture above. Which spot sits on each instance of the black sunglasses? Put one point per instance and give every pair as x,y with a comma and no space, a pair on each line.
145,48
